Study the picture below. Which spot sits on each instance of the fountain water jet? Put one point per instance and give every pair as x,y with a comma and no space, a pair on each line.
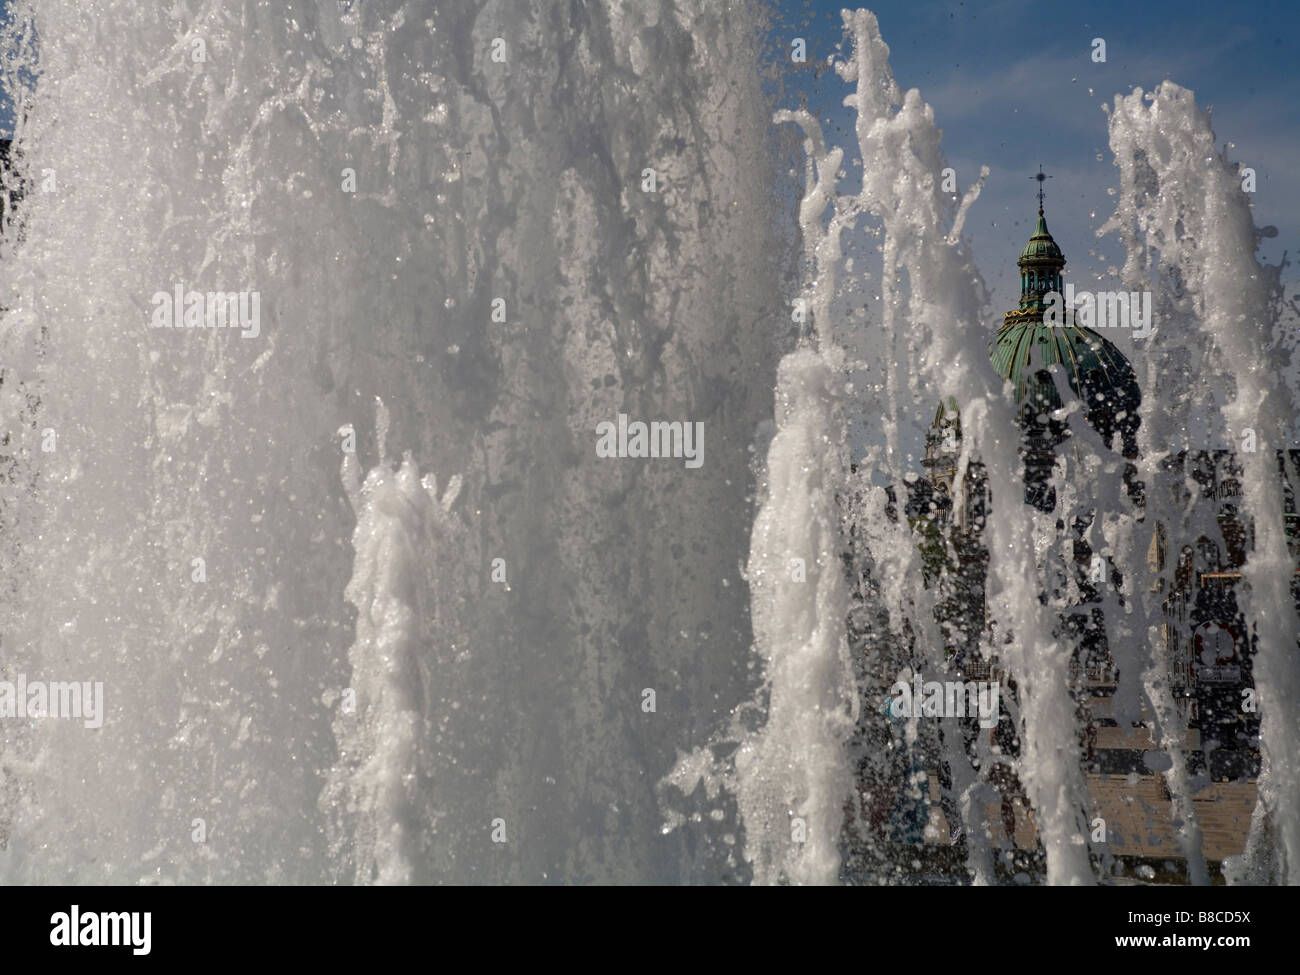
467,229
1178,191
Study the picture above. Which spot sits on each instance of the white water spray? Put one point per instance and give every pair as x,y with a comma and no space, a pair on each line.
508,243
1178,192
401,545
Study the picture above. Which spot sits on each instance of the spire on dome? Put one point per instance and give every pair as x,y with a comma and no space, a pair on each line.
1042,177
1041,262
1026,349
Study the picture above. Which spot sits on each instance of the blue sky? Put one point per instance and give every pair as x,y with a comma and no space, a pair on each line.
1012,83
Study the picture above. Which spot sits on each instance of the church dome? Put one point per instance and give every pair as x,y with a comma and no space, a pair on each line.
1026,349
1024,353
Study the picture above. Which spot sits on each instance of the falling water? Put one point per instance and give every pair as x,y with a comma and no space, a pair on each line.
448,205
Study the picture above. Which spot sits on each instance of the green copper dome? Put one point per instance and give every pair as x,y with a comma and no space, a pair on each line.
1026,351
1024,354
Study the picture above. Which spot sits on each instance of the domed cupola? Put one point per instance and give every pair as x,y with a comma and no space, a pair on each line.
1040,263
1026,348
